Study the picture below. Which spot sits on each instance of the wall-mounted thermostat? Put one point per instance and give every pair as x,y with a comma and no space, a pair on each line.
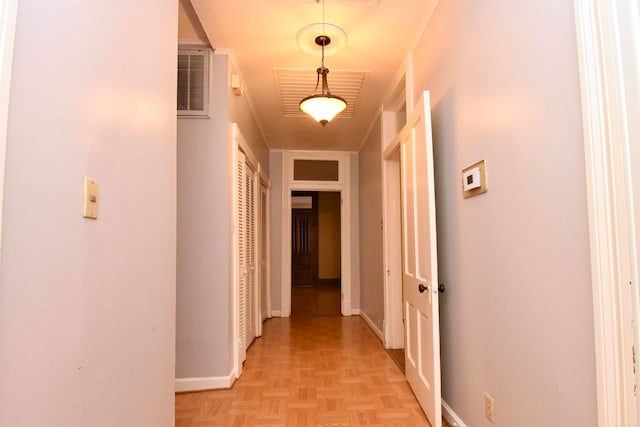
474,180
471,179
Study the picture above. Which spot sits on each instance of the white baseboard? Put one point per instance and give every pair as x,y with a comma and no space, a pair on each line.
450,416
355,312
372,325
203,383
275,313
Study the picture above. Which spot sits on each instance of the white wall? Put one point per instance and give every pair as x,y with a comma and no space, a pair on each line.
370,236
87,321
516,318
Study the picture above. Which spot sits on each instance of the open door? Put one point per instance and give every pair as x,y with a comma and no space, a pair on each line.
420,266
304,240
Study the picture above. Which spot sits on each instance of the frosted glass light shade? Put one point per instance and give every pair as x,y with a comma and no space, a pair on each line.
323,108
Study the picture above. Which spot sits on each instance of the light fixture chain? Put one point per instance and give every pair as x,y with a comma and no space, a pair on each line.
324,33
323,18
322,107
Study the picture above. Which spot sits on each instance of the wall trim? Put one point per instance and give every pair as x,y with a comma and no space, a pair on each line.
275,313
372,325
451,417
203,383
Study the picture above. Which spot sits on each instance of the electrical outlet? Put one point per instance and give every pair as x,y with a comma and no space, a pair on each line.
489,409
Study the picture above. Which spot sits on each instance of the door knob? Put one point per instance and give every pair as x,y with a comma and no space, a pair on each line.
441,287
422,288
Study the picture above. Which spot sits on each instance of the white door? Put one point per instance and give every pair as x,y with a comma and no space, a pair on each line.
264,257
247,253
420,267
241,258
251,256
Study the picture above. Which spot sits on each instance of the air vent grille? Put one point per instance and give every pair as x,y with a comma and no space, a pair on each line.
295,84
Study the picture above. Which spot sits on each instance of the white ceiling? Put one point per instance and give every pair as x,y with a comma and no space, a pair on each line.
262,36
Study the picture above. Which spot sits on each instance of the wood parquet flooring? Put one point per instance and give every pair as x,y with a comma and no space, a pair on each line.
309,371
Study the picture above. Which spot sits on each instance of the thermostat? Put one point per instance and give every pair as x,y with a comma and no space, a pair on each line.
471,179
474,180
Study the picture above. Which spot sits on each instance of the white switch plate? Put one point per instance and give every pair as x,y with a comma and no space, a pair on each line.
489,408
90,198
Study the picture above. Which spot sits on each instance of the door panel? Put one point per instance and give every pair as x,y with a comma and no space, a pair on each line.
304,242
246,181
264,259
250,256
420,275
304,248
241,212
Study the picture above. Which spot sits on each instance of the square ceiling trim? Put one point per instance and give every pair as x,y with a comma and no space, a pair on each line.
355,3
295,84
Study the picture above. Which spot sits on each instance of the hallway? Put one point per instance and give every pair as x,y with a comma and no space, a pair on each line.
309,371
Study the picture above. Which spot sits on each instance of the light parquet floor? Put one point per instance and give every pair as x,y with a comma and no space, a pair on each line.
309,371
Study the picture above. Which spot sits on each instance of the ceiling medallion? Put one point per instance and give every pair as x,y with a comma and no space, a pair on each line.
307,36
323,106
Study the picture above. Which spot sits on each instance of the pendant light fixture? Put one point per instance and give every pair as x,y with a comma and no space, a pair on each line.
323,106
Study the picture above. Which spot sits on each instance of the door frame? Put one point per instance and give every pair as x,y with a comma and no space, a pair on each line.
265,187
608,41
8,22
392,248
393,118
343,186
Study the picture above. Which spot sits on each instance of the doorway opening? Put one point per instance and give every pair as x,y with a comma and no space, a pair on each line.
335,177
394,120
315,253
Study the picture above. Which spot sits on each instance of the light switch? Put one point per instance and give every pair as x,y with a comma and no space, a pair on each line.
90,198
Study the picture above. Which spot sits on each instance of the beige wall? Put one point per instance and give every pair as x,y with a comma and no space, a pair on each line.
275,168
203,255
516,319
204,299
370,235
190,30
87,307
328,235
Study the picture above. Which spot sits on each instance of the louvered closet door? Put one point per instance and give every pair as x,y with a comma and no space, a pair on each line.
264,241
242,259
251,255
